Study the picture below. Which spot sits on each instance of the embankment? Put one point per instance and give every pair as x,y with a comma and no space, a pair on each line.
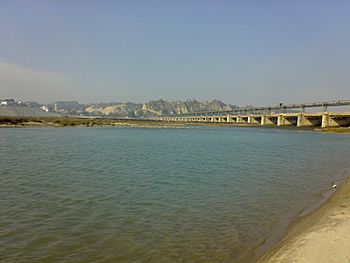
322,236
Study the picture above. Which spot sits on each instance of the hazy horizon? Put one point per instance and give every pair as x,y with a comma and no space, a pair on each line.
243,52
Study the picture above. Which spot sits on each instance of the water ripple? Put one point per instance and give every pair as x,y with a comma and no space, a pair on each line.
138,195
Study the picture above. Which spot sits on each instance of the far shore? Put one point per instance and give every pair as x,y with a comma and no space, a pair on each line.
60,122
71,121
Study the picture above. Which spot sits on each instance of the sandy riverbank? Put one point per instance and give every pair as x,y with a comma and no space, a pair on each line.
56,122
323,236
70,121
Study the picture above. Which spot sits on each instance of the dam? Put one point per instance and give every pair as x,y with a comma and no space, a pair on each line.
280,115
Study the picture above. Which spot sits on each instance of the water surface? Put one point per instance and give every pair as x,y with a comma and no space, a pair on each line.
153,195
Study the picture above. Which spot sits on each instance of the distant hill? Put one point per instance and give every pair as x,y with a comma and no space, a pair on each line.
155,108
114,109
161,107
128,109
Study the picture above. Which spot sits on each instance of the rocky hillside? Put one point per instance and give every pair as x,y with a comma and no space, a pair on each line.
119,110
161,107
131,110
154,108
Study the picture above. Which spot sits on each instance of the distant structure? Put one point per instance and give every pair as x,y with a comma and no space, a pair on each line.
45,108
7,102
280,115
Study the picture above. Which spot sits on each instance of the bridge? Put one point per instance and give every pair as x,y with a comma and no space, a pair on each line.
280,115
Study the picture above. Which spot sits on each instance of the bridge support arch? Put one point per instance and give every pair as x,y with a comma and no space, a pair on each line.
287,120
268,120
254,119
309,121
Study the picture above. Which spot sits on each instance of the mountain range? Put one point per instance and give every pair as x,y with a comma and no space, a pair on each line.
138,110
125,110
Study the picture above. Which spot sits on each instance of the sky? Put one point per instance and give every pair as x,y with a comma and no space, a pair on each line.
241,52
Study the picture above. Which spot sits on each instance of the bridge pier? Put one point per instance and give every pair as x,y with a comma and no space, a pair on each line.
339,120
326,119
239,119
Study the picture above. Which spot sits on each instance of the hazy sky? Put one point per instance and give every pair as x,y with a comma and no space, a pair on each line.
242,52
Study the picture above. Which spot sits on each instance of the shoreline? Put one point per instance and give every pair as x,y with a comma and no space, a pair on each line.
320,236
284,227
61,122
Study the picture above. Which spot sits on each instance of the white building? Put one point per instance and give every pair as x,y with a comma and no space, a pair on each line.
7,102
44,108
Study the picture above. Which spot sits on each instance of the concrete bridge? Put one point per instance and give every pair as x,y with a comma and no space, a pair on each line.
280,115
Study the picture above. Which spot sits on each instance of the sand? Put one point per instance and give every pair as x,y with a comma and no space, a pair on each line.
323,236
